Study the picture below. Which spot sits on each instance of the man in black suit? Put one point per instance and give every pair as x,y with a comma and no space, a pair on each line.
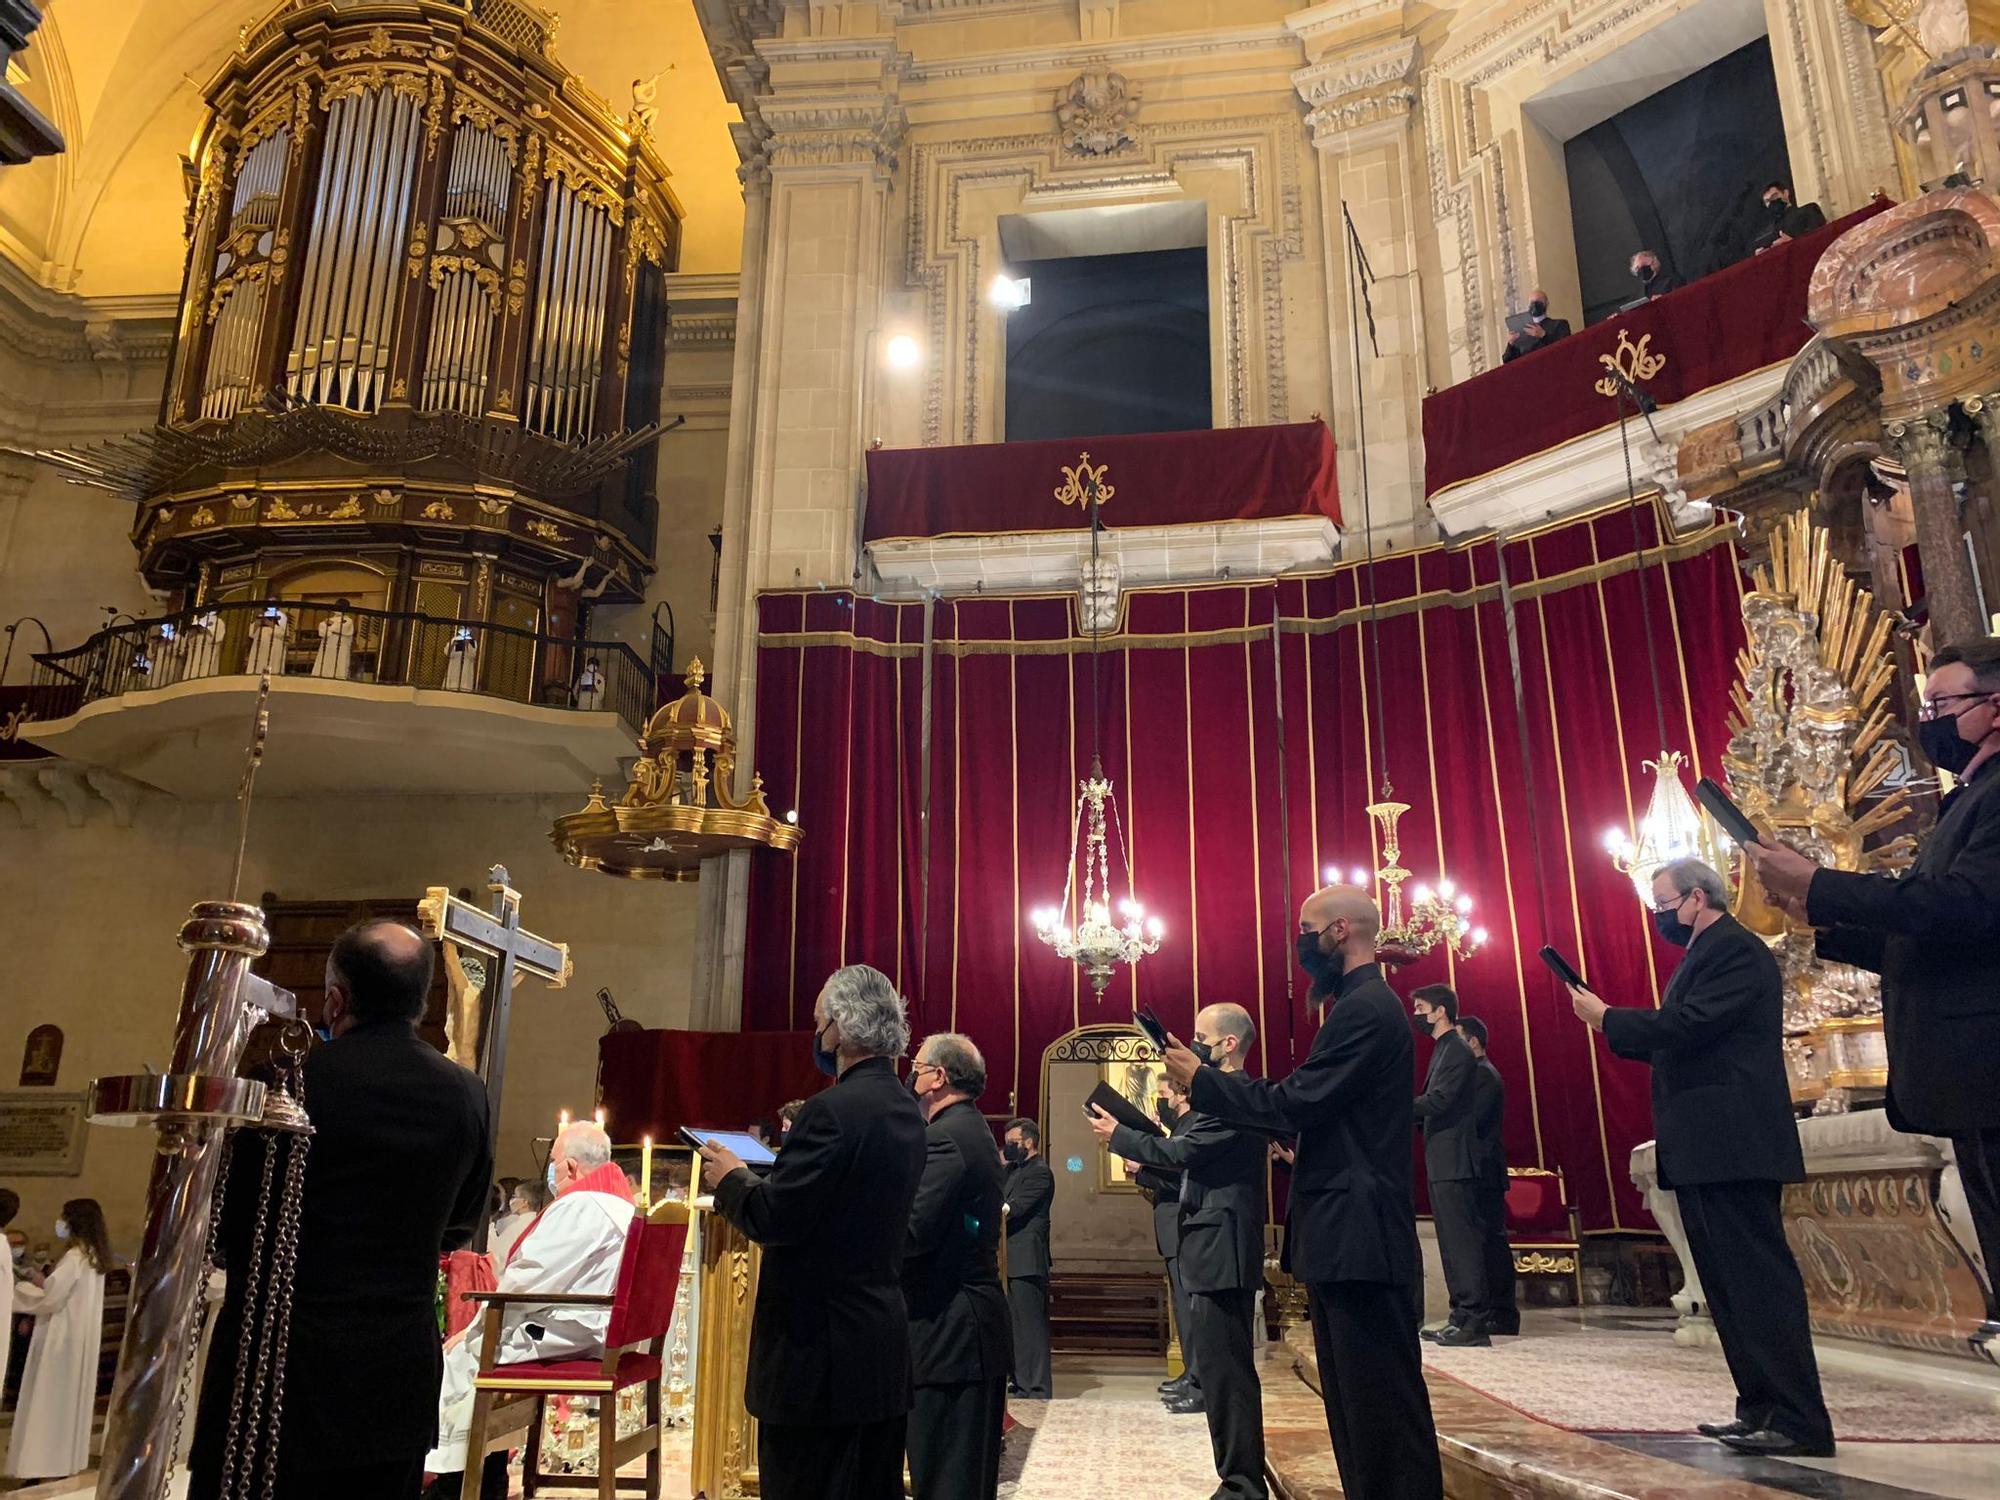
1788,221
1031,1190
1535,330
1489,1119
1727,1143
1933,934
829,1376
1351,1232
960,1344
1221,1254
396,1177
1451,1163
1162,1187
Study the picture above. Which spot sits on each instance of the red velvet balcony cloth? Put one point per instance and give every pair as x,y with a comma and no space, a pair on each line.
1155,479
654,1082
1742,318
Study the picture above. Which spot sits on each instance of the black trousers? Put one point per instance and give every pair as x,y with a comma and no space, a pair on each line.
1371,1376
1502,1311
1226,1355
859,1461
390,1478
1978,1154
1028,1301
1758,1301
493,1483
1461,1234
955,1440
1182,1321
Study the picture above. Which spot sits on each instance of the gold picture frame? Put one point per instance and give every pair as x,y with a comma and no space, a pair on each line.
1137,1078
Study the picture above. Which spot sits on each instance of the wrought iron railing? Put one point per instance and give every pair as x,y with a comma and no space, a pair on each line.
295,639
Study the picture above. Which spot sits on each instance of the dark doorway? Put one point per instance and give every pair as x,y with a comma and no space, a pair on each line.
1682,173
1110,344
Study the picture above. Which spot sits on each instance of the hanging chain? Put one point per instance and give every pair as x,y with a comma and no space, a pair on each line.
236,1435
1367,502
203,1315
1639,557
284,1268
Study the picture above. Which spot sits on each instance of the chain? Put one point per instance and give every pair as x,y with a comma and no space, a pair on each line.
284,1267
203,1314
251,1280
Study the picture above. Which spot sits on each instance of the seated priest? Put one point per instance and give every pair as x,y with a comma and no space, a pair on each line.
573,1247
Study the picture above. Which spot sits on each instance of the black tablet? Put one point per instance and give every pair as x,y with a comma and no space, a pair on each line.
1726,812
1561,966
1121,1109
1154,1029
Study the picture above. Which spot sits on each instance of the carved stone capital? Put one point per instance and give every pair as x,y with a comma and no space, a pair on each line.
1356,89
1920,441
833,130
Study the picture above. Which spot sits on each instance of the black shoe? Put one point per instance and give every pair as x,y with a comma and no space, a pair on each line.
1463,1336
1430,1335
1189,1405
1768,1442
1736,1428
1505,1328
1180,1385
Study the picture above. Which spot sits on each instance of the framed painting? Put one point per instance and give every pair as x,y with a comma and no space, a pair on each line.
1138,1079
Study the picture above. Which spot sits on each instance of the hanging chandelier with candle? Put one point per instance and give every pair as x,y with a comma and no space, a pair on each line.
1671,828
1439,915
1083,928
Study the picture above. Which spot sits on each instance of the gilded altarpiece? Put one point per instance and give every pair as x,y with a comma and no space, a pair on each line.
725,1434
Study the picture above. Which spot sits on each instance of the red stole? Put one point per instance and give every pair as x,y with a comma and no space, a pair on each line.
609,1178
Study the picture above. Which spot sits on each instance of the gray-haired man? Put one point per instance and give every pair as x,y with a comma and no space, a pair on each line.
1722,1112
829,1376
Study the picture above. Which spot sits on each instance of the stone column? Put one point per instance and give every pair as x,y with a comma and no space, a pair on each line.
825,124
1948,583
1361,94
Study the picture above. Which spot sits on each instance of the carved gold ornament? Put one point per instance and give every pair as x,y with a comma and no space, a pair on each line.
1635,362
1083,483
1535,1263
548,531
281,509
440,510
202,517
348,510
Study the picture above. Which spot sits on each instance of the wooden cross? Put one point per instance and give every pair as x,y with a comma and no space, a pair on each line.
510,951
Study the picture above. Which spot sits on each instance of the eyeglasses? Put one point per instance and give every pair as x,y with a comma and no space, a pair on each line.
924,1067
1929,708
1673,905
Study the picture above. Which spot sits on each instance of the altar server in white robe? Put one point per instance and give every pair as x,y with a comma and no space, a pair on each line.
10,1204
201,646
59,1385
267,642
461,662
335,657
573,1247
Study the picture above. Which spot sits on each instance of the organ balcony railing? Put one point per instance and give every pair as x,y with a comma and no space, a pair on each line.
290,639
424,306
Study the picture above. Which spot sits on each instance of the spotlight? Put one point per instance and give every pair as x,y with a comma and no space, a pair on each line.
1009,293
904,352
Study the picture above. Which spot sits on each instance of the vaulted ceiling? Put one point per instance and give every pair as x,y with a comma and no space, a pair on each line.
123,80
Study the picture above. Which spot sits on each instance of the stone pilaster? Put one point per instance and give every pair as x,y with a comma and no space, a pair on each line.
1836,112
1360,93
1948,582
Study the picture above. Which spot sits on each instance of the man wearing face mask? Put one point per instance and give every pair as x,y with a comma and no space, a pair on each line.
829,1376
1652,278
1727,1143
1933,934
1350,1231
1534,329
960,1345
1446,1112
1162,1187
1221,1253
1787,221
1031,1192
397,1176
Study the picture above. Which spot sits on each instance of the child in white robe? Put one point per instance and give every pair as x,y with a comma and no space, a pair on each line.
59,1386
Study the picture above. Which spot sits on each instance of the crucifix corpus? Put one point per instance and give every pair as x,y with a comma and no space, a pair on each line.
486,953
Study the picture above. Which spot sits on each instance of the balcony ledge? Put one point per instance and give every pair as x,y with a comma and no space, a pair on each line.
331,737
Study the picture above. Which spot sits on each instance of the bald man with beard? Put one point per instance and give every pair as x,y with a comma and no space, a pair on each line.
1351,1231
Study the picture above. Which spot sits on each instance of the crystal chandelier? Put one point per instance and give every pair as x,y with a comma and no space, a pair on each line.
1097,943
1671,828
1437,915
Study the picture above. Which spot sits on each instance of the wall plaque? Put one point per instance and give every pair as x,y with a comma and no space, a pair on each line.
41,1134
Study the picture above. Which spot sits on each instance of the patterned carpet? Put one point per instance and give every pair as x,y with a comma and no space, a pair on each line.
1106,1436
1621,1379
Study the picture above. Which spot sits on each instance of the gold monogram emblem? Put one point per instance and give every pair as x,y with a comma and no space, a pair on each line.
1083,485
1634,361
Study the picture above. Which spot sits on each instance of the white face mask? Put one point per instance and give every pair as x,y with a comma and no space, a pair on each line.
62,1229
20,1251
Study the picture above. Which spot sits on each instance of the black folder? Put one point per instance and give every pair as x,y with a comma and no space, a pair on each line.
1121,1109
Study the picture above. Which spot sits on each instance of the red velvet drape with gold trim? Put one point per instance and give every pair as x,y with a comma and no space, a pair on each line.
1234,729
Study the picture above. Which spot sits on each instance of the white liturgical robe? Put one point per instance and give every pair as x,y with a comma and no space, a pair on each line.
59,1385
574,1248
267,645
335,656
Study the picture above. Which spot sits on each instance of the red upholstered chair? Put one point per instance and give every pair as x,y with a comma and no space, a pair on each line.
510,1399
1542,1227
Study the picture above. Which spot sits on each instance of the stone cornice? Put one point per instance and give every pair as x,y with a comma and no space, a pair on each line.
1337,78
1318,24
38,324
1065,57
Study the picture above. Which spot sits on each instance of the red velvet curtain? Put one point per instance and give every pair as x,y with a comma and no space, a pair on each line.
1237,729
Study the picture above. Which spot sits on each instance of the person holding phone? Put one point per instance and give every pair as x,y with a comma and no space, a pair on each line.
1933,934
1722,1116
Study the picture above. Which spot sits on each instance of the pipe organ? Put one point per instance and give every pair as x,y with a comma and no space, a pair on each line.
423,321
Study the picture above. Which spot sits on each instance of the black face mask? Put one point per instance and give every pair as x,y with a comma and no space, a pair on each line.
1311,958
1776,207
1421,1024
1672,928
827,1062
1015,1153
1942,744
1203,1051
1646,273
1537,308
1164,1111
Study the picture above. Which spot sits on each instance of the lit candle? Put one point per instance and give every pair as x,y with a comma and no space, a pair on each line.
598,1115
645,1172
562,1121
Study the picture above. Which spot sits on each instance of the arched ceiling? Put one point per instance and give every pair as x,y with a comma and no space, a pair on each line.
122,79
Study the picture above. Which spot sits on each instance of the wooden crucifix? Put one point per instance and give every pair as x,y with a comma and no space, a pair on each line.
488,951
